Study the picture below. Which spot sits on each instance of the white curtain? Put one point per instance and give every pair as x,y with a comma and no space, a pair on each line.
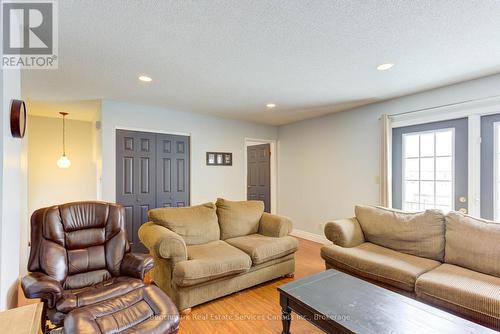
385,161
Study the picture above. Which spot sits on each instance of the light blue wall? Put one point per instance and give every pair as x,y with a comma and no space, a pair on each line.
207,133
328,164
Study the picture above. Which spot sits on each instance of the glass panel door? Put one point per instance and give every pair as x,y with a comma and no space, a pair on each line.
430,166
490,167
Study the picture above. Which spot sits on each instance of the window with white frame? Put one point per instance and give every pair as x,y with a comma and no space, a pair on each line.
428,176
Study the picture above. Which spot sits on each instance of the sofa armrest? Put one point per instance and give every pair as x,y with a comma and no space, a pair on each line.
39,285
136,265
162,242
274,225
345,232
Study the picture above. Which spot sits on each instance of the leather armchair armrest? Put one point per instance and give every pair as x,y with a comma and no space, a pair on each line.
39,285
136,265
162,242
274,225
345,232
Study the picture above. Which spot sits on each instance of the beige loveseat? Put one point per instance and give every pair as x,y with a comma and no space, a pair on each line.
451,261
207,251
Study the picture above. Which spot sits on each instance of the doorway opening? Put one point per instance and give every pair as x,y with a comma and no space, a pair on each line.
260,164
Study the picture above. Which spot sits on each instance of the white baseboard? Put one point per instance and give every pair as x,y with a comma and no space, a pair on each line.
310,236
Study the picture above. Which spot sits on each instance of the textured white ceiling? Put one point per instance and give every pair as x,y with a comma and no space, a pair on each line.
230,58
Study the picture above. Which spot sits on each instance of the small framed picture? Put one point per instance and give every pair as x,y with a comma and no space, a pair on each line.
210,158
219,159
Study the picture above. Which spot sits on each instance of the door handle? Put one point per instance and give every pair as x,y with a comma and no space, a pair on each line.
462,199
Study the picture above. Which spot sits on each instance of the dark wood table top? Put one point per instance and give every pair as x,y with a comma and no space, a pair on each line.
361,307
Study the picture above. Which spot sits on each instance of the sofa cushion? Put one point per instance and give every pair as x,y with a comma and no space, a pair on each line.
261,248
420,234
461,290
111,288
379,263
237,219
473,243
210,261
195,224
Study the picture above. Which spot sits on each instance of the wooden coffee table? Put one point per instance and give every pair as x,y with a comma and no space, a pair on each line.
339,303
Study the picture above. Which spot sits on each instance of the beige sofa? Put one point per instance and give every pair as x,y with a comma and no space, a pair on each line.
451,261
207,251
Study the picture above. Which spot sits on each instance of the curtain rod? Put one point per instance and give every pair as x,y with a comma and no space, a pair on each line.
445,105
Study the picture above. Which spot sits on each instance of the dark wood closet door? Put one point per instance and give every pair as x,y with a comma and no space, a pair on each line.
173,171
152,171
136,179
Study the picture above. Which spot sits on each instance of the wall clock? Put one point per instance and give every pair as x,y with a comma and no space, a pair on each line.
17,118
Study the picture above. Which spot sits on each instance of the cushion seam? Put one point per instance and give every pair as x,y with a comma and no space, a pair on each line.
391,279
275,256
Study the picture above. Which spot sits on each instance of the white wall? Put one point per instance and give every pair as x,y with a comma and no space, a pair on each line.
329,164
49,184
207,134
13,224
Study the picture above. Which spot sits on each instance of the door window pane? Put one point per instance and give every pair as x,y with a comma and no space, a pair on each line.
411,146
428,170
412,169
444,143
427,193
443,191
427,144
444,169
412,192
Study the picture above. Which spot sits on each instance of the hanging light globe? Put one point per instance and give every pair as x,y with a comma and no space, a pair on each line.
63,161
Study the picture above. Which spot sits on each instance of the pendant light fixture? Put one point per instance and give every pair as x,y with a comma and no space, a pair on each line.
63,161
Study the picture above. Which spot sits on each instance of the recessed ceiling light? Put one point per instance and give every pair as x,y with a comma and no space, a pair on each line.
271,105
384,67
145,78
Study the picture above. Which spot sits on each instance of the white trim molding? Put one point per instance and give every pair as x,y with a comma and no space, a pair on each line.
483,107
310,236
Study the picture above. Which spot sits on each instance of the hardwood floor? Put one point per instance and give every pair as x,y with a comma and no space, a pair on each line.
255,310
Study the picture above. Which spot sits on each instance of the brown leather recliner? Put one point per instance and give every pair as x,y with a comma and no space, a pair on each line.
80,256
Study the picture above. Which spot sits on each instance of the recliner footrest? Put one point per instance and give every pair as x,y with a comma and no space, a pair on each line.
145,310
